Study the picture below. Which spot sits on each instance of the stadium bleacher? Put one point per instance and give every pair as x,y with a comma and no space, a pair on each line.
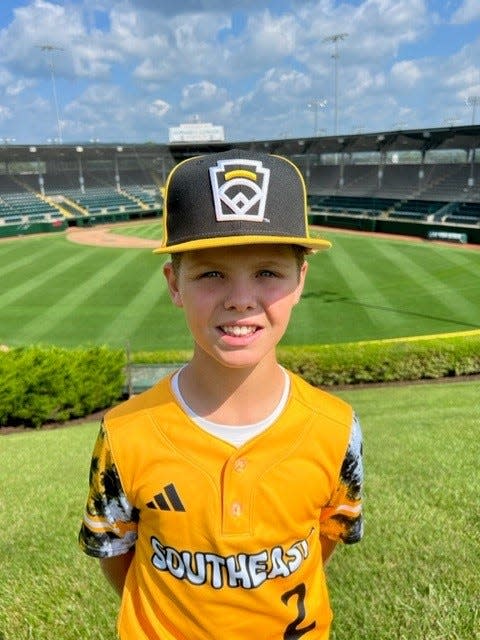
396,181
22,206
400,181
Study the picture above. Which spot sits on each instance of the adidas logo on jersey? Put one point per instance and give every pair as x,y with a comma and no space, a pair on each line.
167,500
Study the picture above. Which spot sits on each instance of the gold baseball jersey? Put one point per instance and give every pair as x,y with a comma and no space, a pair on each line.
227,540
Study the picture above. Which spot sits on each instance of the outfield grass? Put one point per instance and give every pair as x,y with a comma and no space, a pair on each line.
57,292
414,577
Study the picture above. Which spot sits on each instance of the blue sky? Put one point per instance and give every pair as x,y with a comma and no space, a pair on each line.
127,70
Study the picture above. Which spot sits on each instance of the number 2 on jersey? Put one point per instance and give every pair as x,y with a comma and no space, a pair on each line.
293,631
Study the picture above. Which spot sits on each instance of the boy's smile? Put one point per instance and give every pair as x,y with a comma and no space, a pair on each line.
239,330
237,300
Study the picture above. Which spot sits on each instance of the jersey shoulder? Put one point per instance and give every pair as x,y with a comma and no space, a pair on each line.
321,402
125,412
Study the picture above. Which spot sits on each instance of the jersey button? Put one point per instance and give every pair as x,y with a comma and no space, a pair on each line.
240,465
236,509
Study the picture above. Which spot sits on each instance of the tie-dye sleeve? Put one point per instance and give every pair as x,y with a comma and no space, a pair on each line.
109,526
342,519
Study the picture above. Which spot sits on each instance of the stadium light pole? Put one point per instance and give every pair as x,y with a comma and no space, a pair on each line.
81,179
335,39
473,101
315,104
49,49
117,172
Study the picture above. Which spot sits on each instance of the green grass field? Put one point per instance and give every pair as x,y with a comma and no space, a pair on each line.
57,292
414,576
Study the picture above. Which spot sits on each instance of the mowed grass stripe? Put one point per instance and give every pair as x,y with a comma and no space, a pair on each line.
458,278
466,261
360,281
31,255
152,231
457,265
324,319
413,291
163,328
432,272
377,260
42,278
44,324
11,259
321,315
132,315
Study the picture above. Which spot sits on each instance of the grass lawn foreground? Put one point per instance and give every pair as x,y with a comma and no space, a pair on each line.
415,575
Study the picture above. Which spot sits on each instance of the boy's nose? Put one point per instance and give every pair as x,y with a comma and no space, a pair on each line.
240,296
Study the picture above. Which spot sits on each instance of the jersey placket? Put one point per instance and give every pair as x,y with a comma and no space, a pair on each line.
238,483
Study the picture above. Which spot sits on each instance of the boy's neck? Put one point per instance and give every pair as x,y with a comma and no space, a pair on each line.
229,395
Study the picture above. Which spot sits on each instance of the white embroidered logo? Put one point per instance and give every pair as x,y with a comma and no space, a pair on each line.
240,193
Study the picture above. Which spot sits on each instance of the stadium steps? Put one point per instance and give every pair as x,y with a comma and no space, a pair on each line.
136,200
58,206
73,208
441,214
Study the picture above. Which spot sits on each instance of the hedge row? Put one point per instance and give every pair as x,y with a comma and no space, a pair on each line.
367,362
50,384
395,361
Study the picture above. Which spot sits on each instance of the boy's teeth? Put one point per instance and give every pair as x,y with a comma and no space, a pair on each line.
238,331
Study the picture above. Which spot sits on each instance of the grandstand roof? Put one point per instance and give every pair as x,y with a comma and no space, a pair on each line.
466,137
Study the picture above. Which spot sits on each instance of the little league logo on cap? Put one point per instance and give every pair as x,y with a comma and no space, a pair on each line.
247,182
235,198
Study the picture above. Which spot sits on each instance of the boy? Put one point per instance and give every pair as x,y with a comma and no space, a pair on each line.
217,496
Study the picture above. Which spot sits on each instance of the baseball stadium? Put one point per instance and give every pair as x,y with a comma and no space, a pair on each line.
78,223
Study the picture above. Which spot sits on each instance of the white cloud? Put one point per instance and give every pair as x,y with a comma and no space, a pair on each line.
19,86
468,11
159,108
272,37
283,85
5,113
5,77
92,59
406,74
374,30
35,25
202,95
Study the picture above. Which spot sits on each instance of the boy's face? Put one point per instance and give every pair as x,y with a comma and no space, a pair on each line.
237,300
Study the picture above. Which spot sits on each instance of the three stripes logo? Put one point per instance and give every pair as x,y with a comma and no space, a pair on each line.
167,500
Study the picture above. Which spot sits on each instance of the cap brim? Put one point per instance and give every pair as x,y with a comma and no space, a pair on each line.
312,244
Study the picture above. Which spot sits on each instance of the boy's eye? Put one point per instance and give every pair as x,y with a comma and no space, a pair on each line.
211,274
266,273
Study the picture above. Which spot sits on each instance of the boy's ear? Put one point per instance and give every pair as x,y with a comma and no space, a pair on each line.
301,281
171,279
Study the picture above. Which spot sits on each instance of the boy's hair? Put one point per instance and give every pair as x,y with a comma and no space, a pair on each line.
233,198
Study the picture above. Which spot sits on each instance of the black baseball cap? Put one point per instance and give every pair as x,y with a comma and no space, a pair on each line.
237,197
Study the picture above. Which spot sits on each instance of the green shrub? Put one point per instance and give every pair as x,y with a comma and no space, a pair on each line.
50,384
384,361
161,357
